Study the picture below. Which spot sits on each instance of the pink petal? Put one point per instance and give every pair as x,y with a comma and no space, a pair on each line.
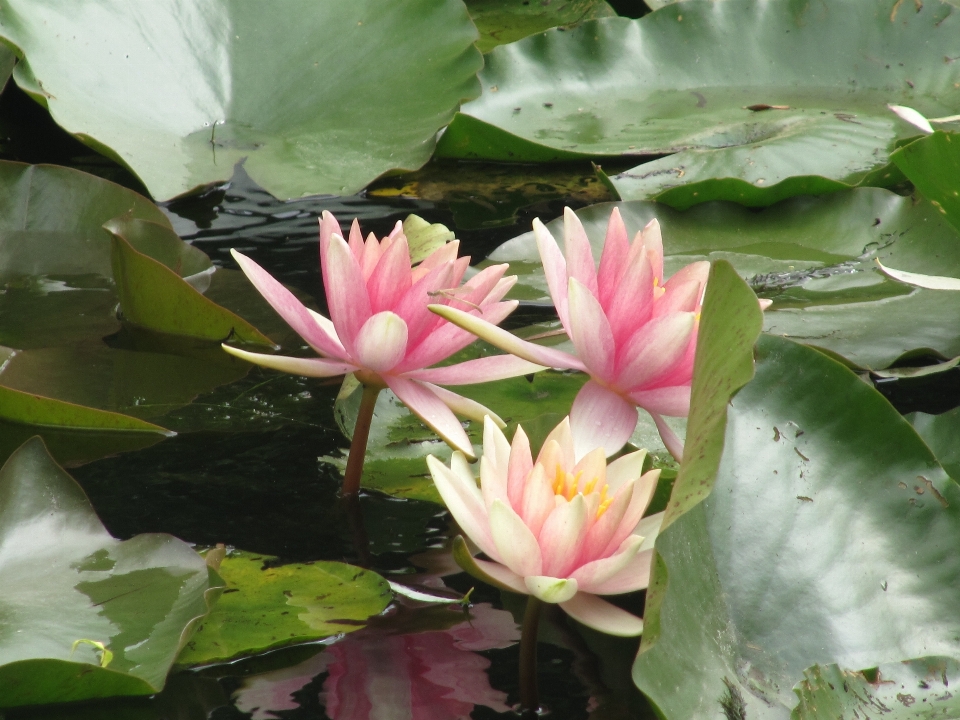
391,278
370,257
554,268
672,401
679,297
653,242
346,292
635,576
601,418
538,500
481,370
632,303
442,255
355,241
496,448
289,308
462,498
465,407
577,251
561,536
327,326
519,465
593,574
412,307
642,493
592,467
504,575
381,342
329,227
613,259
425,404
654,350
307,367
671,442
598,537
624,469
507,342
601,615
590,332
477,288
557,448
447,339
517,546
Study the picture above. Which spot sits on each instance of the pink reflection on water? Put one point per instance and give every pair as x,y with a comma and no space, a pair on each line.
433,675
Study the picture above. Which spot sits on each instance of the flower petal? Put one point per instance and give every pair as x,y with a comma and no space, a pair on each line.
327,326
554,268
590,332
626,468
654,350
345,289
381,342
577,251
496,447
519,466
672,401
537,501
642,493
289,308
634,576
307,367
600,418
391,278
425,404
931,282
671,442
913,117
613,259
517,546
561,537
557,448
653,243
551,589
481,370
465,407
593,574
463,500
632,305
503,575
601,615
507,342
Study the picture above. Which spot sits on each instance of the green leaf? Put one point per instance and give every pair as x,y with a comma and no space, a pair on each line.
829,537
280,88
813,257
155,296
506,21
673,82
267,606
933,165
894,691
423,237
729,326
66,580
940,433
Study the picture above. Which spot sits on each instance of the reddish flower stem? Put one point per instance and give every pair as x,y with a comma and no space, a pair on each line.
358,446
529,689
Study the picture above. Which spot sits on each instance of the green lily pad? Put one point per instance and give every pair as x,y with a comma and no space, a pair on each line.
813,257
279,89
829,538
940,433
506,21
154,294
797,101
66,580
266,606
933,165
894,691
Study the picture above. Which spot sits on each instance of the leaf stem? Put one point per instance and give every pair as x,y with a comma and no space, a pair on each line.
358,446
529,690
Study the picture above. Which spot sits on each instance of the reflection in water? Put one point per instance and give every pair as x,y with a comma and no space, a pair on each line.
372,675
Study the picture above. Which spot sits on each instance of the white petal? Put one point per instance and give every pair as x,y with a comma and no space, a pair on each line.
517,546
382,341
601,615
551,589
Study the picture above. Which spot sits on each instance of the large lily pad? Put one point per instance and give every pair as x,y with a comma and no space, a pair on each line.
65,579
933,165
673,82
506,21
320,98
797,558
268,606
814,258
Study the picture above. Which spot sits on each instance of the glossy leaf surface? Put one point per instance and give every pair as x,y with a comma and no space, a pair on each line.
821,487
506,21
673,82
814,258
180,92
267,606
66,579
933,165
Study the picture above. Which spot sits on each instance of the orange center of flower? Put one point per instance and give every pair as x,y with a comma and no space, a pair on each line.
567,485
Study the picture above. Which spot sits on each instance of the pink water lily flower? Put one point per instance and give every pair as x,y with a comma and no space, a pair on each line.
559,529
635,334
381,330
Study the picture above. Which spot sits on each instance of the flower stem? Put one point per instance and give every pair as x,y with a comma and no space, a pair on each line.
358,446
529,690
